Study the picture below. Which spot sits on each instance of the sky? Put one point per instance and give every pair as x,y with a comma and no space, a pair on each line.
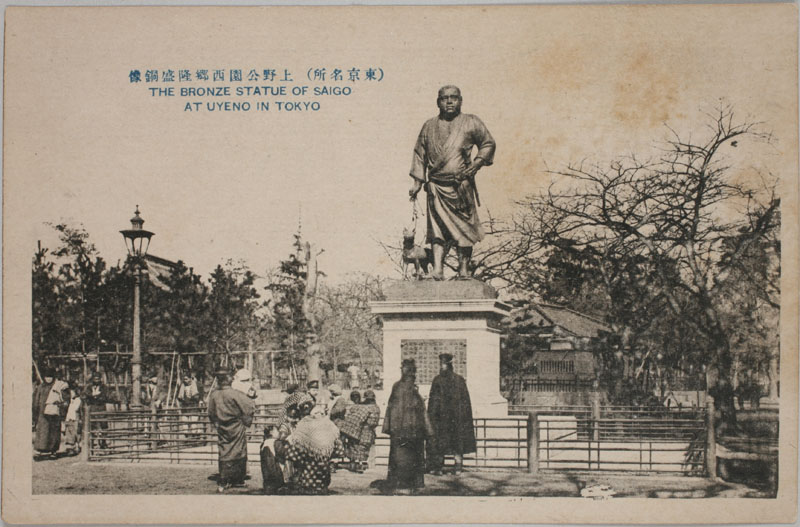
553,85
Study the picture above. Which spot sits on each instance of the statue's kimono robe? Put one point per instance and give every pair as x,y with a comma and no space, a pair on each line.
442,152
231,412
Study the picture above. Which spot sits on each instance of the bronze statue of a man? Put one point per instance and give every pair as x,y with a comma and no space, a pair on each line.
444,166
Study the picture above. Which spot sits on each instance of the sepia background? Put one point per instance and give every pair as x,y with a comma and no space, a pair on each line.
553,84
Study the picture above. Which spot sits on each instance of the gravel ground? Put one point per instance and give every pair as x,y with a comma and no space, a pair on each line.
68,475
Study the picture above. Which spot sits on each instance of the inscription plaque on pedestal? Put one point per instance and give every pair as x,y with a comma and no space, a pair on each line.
423,319
425,353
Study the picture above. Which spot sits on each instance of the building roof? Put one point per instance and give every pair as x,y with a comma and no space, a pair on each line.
578,324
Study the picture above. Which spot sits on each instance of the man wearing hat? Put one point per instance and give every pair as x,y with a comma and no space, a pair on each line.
405,423
450,414
231,412
96,396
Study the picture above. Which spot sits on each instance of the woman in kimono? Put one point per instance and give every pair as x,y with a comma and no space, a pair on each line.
48,403
310,448
407,425
358,430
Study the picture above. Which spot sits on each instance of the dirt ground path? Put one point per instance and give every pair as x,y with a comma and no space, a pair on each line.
70,476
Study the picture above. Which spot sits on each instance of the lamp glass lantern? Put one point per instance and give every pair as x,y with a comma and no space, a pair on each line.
137,240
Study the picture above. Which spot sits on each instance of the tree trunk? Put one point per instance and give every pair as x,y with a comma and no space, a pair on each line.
722,391
721,369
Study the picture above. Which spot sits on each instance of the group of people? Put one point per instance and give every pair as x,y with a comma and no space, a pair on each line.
300,454
56,401
446,428
356,418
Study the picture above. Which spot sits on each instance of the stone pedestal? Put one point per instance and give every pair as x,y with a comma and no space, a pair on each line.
422,319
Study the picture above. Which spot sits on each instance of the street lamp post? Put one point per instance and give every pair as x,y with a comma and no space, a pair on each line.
135,239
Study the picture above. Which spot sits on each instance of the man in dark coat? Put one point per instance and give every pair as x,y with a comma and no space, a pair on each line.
96,397
231,412
407,426
97,394
450,414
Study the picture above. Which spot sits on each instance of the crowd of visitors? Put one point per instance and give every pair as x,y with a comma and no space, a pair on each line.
314,437
317,431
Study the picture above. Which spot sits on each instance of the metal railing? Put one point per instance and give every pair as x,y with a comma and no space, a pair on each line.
641,445
625,439
174,434
501,443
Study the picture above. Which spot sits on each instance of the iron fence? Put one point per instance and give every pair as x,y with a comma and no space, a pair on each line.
626,439
501,443
641,445
173,434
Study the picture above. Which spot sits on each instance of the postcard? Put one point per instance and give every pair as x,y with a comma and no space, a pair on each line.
455,264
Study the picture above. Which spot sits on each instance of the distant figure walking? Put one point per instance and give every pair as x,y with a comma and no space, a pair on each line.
353,371
450,414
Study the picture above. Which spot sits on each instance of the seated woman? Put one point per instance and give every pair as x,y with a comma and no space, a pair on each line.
271,471
358,430
312,444
300,405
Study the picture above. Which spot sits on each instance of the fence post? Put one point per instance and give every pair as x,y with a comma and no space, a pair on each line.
711,440
533,443
86,440
595,414
153,428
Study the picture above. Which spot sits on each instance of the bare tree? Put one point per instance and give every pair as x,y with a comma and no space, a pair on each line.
673,227
349,332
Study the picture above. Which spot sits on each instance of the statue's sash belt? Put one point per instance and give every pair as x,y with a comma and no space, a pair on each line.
446,180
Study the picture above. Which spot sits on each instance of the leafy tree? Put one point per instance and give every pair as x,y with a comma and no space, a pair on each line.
233,308
292,329
47,324
117,316
81,276
178,312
